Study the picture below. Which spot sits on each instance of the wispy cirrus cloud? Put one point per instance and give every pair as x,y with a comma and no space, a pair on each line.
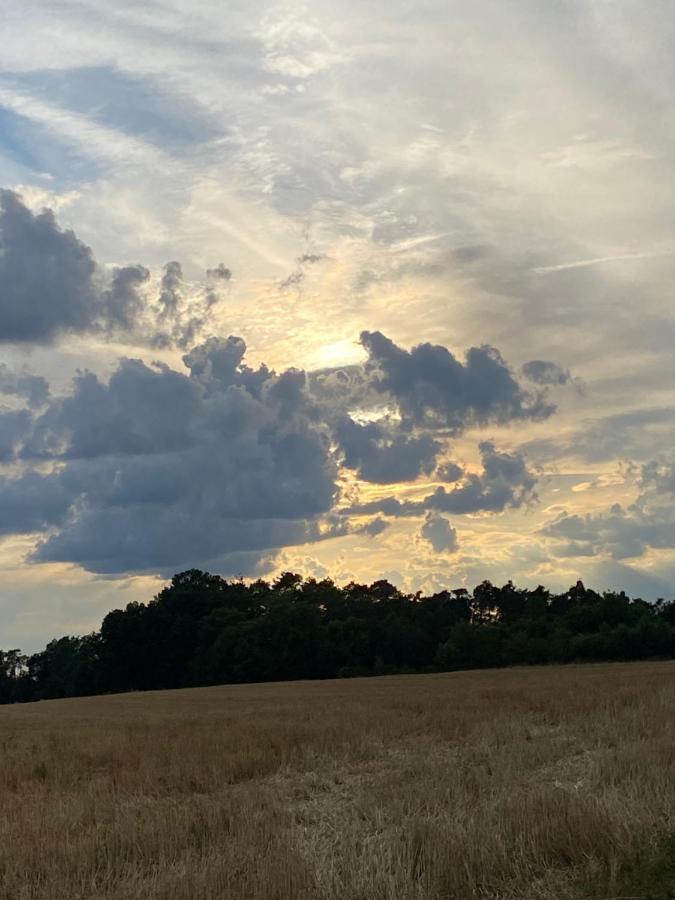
583,263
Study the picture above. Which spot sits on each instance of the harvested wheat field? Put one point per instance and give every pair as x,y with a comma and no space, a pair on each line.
524,783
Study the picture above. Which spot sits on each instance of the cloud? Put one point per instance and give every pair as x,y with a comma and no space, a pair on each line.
617,532
635,434
550,374
14,426
431,386
179,319
32,503
294,280
623,532
51,285
143,107
170,295
294,46
157,469
583,263
658,475
220,273
343,389
123,301
616,576
505,482
374,528
218,363
298,275
380,453
431,392
439,533
540,371
449,472
310,258
387,506
419,395
47,276
34,389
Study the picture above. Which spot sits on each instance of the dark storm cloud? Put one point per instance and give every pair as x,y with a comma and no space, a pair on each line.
171,290
32,502
449,472
141,410
179,320
218,363
34,389
111,541
540,371
123,301
381,454
14,426
51,285
47,276
439,533
387,506
419,395
217,360
157,469
431,386
505,482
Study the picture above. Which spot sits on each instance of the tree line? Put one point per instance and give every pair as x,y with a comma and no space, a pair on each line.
202,629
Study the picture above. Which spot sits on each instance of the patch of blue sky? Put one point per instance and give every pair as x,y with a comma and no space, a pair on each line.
29,149
134,105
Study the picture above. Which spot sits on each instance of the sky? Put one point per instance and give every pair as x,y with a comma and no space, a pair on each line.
363,290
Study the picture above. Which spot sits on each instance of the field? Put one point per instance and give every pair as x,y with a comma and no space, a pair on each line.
546,783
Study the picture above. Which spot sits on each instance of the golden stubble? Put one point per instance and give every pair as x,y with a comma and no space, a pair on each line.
502,784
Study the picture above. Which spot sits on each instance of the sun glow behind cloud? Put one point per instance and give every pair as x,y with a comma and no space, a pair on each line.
336,353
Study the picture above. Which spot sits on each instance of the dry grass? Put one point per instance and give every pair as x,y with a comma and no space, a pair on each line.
524,783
